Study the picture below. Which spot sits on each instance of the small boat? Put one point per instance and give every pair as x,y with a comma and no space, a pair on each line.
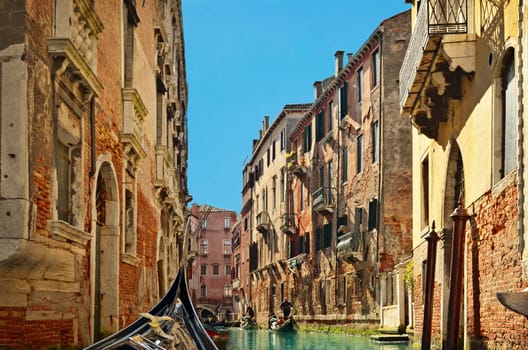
281,325
219,334
248,323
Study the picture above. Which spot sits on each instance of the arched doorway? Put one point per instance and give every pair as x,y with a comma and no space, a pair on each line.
453,192
105,253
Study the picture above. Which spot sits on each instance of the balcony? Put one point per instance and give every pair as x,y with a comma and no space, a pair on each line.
324,200
296,165
351,247
236,283
263,222
441,49
288,223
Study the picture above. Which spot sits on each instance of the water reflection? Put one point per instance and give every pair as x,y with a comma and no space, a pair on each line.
264,340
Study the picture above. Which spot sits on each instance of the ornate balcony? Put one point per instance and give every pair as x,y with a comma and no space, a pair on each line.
296,165
288,223
263,222
351,247
442,47
324,200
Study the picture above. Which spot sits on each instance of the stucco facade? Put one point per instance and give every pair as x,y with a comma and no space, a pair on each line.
93,142
464,93
267,208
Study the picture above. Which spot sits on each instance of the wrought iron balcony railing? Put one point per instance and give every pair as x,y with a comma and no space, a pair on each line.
447,16
434,19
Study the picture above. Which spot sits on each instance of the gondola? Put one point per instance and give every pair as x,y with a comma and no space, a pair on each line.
248,323
280,325
174,313
219,334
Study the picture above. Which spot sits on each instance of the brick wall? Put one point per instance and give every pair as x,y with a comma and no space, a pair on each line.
494,265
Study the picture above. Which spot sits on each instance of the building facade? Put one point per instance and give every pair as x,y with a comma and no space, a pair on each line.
350,179
264,209
462,87
93,100
212,267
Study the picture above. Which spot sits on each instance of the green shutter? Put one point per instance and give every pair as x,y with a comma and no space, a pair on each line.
373,214
344,100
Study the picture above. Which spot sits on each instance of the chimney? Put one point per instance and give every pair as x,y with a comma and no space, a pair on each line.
338,61
350,57
265,124
318,88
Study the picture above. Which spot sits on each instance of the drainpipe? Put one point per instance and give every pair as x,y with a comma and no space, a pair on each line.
459,216
520,83
380,167
92,137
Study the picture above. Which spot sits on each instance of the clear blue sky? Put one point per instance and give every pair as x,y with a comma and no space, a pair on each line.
246,59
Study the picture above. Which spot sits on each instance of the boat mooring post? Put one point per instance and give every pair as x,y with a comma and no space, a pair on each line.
460,217
432,239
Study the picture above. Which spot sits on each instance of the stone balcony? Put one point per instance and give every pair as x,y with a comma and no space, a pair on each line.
263,222
442,48
288,223
351,247
324,200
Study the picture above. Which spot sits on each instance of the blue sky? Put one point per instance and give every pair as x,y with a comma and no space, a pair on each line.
246,59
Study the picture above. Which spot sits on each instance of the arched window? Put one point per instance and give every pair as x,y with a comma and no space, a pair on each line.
505,131
203,290
509,116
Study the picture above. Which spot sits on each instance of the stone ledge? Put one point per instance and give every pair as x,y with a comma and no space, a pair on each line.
130,259
56,286
61,230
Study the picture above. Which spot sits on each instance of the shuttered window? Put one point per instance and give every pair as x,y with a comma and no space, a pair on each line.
343,101
509,96
319,126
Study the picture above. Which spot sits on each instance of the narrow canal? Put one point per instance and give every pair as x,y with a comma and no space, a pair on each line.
240,339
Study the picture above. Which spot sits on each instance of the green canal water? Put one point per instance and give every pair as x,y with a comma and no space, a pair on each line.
240,339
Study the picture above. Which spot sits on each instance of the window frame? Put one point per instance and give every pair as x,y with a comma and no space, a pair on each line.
360,145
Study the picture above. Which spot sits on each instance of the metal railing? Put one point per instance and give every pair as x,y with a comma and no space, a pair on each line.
435,17
448,16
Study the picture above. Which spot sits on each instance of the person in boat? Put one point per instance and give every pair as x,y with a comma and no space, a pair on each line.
272,319
250,313
286,307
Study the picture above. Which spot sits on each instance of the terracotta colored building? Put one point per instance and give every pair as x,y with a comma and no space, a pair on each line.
330,216
212,267
93,141
350,177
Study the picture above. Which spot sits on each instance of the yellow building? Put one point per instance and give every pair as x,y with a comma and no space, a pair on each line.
461,85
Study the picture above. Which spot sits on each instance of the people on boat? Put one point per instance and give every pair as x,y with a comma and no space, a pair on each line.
273,319
250,313
286,307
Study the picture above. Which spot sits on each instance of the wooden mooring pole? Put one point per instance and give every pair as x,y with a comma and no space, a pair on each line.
460,217
432,239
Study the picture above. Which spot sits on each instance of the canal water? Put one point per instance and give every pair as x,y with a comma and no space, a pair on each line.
240,339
